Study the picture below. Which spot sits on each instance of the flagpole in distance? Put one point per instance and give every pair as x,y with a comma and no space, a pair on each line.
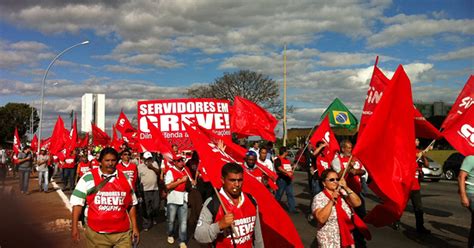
285,135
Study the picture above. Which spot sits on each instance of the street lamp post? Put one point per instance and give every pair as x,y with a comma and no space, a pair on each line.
43,84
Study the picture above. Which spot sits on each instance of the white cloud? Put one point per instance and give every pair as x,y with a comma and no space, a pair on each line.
124,69
419,28
463,53
22,53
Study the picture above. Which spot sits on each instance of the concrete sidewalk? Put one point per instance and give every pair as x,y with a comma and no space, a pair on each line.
35,220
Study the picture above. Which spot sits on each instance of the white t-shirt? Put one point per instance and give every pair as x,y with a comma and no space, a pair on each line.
148,178
268,163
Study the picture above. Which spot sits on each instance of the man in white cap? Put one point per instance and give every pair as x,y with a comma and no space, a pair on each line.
148,173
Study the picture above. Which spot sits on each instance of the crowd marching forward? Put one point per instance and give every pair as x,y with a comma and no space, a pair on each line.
115,190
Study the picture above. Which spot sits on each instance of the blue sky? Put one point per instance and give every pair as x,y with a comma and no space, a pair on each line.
158,49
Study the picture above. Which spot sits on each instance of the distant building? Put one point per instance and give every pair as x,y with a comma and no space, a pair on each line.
93,111
433,109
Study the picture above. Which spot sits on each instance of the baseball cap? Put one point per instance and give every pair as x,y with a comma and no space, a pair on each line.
147,155
251,153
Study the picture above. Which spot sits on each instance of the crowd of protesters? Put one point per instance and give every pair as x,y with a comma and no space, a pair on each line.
114,191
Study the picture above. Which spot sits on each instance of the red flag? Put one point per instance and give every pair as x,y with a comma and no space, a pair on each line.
115,143
463,102
159,143
379,81
237,152
34,143
374,94
45,143
324,133
73,138
99,137
424,128
124,126
247,118
387,150
16,142
84,142
278,229
460,133
59,138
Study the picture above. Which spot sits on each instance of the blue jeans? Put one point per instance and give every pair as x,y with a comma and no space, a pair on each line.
69,175
24,179
286,186
315,188
43,175
182,211
471,208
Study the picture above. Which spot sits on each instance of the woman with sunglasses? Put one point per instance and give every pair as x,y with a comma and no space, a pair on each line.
332,209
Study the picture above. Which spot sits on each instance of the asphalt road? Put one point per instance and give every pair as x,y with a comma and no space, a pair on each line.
444,216
46,220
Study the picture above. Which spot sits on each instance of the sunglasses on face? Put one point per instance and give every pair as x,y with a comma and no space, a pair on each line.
126,154
333,179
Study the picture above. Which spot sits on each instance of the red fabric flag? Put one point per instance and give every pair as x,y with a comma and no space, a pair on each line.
463,102
460,133
247,118
115,143
159,143
45,143
324,133
34,143
124,126
387,150
374,94
16,142
59,138
237,152
84,142
378,83
424,128
278,229
99,137
72,137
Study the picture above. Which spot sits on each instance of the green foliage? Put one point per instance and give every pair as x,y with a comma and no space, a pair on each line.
16,115
253,86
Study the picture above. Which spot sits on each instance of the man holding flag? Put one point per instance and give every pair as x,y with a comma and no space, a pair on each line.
242,214
466,191
177,199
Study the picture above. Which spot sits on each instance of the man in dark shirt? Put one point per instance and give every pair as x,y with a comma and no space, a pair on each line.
25,162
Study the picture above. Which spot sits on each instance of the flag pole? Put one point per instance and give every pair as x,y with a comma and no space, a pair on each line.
233,232
347,167
306,146
285,135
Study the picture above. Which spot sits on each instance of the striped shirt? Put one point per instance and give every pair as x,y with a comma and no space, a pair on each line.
86,184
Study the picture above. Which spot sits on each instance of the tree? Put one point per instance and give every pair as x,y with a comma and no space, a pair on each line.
16,115
251,85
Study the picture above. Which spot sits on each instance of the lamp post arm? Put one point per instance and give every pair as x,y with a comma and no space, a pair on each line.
43,84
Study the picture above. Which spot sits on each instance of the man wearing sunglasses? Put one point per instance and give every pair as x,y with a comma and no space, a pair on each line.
128,168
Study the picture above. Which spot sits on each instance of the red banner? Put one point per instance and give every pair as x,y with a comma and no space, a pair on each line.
169,116
460,133
463,102
324,133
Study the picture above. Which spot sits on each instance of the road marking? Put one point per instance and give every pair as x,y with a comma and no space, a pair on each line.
62,195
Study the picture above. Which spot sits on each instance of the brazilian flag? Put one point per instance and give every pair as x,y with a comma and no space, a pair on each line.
340,116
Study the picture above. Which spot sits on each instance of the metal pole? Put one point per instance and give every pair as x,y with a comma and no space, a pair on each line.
285,135
43,84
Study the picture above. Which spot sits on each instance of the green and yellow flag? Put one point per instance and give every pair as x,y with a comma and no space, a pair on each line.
340,116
